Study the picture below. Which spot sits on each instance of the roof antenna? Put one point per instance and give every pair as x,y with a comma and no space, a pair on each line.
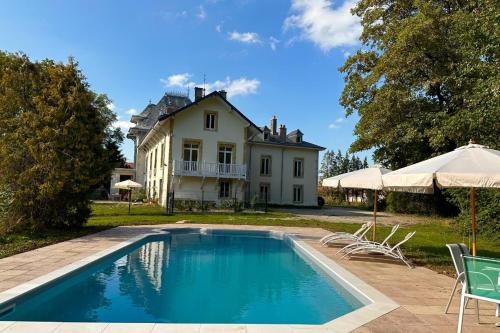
204,81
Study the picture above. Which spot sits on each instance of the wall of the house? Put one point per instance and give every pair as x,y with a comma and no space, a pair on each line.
189,126
282,179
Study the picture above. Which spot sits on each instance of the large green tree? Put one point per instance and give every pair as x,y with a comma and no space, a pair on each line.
53,130
426,79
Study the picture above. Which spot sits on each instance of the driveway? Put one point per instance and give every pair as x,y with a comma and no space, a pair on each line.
352,215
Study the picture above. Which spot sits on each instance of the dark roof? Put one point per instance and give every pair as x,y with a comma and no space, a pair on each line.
212,94
149,116
295,133
275,140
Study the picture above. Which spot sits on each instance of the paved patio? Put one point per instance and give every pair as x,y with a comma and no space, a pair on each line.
421,293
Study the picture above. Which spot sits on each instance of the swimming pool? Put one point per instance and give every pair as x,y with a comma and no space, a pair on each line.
194,276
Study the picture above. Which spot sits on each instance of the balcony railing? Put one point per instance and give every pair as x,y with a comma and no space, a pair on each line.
206,169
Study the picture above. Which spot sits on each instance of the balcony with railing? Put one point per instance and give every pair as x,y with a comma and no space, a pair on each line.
207,169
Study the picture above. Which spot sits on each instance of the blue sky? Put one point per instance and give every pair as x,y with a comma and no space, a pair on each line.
278,57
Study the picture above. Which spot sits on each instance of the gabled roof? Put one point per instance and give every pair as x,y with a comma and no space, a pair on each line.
295,133
212,94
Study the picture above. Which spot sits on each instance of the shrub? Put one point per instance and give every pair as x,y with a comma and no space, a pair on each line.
321,201
487,211
52,130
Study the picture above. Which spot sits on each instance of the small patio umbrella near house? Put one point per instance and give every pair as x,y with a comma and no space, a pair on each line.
472,166
128,185
367,179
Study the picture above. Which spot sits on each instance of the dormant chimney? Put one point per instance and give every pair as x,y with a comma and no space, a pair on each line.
282,133
274,124
198,93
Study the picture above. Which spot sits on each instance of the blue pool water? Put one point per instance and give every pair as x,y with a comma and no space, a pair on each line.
188,277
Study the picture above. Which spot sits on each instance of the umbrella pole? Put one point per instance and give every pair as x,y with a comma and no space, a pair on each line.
375,199
129,200
473,208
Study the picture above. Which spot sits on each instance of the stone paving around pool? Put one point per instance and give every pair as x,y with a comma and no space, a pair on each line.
421,293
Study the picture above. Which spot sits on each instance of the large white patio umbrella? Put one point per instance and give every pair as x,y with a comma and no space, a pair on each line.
472,166
128,185
368,179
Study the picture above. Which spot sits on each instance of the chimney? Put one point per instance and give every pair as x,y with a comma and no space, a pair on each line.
223,93
274,124
198,93
282,133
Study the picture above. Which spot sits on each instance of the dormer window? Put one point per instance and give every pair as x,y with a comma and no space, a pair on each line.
299,138
266,136
210,121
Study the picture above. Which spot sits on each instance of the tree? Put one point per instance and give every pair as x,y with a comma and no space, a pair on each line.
426,80
52,141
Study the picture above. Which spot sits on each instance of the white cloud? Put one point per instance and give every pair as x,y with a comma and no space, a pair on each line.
123,124
131,111
201,14
336,124
178,80
325,26
111,106
273,42
245,37
218,28
241,86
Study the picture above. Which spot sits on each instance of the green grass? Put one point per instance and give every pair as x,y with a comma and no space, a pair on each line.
426,248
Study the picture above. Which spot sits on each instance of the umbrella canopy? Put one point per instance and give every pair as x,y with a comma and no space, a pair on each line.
127,185
472,166
368,178
468,166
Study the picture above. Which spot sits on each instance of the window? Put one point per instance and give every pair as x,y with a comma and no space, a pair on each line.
190,155
225,154
265,166
224,189
298,193
264,192
299,138
211,121
162,154
298,168
156,157
266,136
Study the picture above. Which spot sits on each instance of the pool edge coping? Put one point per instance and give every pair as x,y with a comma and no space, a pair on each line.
380,303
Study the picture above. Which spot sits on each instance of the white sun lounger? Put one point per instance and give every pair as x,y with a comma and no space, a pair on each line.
354,245
393,252
360,234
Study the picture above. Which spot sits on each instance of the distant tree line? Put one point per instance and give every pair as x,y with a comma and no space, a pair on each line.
336,163
56,143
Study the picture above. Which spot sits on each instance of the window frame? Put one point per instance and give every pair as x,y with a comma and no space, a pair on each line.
294,169
261,197
228,190
269,166
215,124
294,194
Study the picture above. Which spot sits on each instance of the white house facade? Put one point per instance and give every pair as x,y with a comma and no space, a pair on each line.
207,150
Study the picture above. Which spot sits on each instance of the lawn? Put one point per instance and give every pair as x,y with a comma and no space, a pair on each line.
426,248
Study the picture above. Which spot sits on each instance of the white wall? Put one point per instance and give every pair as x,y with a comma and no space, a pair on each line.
282,179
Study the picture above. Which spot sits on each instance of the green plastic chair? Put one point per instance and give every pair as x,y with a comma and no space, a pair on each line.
482,282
